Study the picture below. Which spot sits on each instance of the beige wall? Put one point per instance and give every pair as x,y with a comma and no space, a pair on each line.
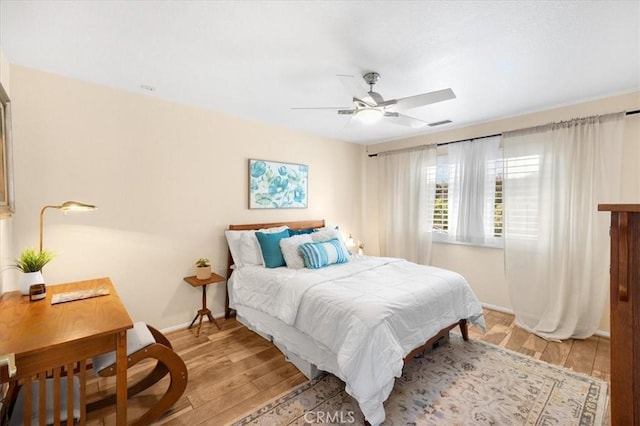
484,267
167,179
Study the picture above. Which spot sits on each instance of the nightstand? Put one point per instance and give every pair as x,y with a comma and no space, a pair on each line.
204,312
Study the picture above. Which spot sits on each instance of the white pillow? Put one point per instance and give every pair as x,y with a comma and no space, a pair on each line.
233,240
327,233
250,253
247,254
289,247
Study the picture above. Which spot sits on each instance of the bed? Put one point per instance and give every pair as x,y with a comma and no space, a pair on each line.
360,319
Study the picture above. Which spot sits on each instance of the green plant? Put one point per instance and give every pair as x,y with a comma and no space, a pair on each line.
203,262
31,260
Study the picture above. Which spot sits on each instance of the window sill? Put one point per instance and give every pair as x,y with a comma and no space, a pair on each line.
498,244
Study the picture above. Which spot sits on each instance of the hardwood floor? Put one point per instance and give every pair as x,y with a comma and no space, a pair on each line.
234,371
589,356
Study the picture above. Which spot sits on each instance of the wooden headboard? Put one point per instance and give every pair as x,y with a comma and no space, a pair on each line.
298,224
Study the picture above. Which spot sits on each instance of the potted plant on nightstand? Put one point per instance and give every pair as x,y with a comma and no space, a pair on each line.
203,269
31,263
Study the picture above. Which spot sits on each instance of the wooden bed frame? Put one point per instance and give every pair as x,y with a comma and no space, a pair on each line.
303,224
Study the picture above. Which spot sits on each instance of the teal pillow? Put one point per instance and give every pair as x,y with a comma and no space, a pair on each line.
270,247
321,254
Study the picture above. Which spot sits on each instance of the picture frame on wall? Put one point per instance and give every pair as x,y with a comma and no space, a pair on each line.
277,185
6,157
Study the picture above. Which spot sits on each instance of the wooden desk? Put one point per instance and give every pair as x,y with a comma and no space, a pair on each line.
52,337
204,312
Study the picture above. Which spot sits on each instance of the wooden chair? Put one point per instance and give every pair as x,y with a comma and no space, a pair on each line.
66,411
145,342
51,397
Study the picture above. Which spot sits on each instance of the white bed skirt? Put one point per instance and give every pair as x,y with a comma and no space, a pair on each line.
309,356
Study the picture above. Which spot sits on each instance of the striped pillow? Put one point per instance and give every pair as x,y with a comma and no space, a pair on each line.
321,254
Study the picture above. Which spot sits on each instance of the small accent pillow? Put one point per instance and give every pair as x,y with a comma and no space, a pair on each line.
270,246
289,248
319,255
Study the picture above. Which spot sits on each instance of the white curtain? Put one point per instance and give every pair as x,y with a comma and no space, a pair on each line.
472,187
406,193
556,242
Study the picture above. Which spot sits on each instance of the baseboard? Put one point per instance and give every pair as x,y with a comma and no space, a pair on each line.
497,308
184,325
484,305
175,327
504,310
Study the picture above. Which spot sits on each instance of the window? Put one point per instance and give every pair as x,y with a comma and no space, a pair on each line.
468,196
440,209
6,165
497,169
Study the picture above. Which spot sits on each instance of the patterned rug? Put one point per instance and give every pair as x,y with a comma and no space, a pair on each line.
458,383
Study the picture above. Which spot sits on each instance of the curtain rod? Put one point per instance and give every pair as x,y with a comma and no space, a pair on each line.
637,111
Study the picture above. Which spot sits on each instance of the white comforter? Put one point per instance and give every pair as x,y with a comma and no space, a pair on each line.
371,312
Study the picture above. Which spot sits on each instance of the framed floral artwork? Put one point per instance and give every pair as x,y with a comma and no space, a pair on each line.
274,185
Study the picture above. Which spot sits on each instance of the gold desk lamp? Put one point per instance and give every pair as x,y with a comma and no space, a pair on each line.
67,206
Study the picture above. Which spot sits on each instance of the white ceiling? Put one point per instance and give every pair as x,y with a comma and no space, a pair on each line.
258,59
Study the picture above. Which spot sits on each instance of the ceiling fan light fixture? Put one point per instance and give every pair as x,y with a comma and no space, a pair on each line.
369,115
369,107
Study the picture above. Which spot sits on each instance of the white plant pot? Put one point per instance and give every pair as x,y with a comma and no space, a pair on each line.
203,272
28,279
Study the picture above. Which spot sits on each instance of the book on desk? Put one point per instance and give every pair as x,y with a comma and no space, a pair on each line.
70,296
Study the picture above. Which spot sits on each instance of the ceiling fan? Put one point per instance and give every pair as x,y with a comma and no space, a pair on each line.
370,107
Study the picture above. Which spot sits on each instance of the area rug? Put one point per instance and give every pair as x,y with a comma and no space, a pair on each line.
457,383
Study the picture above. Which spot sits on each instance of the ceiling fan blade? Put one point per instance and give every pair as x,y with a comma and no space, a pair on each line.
405,120
355,89
342,107
423,99
347,111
